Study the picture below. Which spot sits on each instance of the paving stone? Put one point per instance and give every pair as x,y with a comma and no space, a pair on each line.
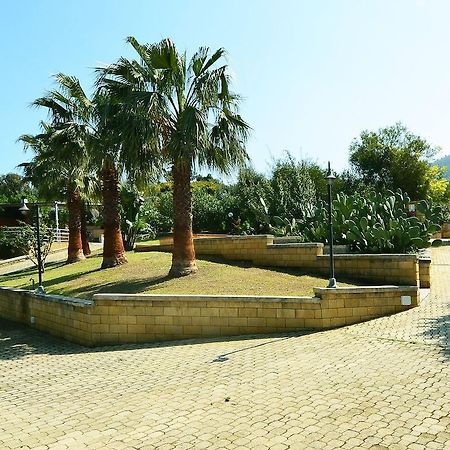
380,384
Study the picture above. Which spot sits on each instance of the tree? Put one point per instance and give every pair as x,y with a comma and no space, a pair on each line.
293,189
60,168
95,126
14,187
118,147
393,158
61,165
185,113
444,164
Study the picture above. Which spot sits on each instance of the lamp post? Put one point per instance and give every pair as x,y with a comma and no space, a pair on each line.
330,178
230,216
24,210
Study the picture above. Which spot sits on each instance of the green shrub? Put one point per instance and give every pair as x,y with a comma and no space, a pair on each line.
10,246
293,190
209,211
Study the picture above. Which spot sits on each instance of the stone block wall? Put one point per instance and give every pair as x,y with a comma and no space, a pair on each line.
398,269
424,269
346,306
60,316
123,318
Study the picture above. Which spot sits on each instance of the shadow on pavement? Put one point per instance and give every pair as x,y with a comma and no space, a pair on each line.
438,330
19,341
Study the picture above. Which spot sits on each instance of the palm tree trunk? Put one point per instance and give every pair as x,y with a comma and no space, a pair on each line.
75,250
113,250
183,256
84,233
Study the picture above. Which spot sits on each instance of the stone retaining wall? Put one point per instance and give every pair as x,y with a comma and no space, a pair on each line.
123,318
424,271
398,269
65,317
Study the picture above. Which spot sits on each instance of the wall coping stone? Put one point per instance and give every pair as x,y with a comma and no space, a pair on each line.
297,245
401,256
50,298
235,237
194,298
62,299
364,289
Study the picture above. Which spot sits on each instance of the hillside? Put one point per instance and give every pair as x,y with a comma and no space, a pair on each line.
444,161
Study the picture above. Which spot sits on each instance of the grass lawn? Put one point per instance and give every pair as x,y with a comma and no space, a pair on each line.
149,242
147,273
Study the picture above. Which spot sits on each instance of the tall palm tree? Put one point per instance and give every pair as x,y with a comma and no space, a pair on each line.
186,113
96,124
64,140
60,167
117,150
84,230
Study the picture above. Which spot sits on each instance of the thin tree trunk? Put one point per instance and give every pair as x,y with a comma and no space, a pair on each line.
84,233
113,250
75,250
183,256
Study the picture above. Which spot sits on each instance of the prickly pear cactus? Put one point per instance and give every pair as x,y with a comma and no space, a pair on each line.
375,223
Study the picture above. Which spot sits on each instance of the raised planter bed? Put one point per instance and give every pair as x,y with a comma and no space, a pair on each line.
124,318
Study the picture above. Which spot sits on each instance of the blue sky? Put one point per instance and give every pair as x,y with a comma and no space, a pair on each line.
313,74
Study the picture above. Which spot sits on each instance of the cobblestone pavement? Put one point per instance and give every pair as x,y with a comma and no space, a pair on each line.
384,384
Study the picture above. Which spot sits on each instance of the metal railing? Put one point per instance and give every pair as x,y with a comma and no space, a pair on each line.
60,234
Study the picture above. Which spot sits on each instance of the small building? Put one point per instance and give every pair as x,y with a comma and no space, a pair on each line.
10,215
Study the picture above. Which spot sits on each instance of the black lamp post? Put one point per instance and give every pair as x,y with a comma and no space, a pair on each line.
24,210
330,178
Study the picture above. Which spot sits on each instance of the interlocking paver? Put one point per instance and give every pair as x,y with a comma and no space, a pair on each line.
380,384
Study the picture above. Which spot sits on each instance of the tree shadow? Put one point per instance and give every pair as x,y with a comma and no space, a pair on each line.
438,330
134,286
296,271
47,282
138,285
20,273
18,341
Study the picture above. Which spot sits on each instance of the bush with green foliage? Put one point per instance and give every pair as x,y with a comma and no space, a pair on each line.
133,223
23,241
156,210
10,245
208,211
292,189
290,202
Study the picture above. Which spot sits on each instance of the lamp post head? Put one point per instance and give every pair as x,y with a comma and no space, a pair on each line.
23,206
330,177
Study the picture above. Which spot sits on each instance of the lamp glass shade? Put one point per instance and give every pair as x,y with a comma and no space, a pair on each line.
330,178
24,208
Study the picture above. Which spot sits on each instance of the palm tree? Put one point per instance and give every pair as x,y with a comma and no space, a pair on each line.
117,151
60,167
96,125
84,230
186,114
62,156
